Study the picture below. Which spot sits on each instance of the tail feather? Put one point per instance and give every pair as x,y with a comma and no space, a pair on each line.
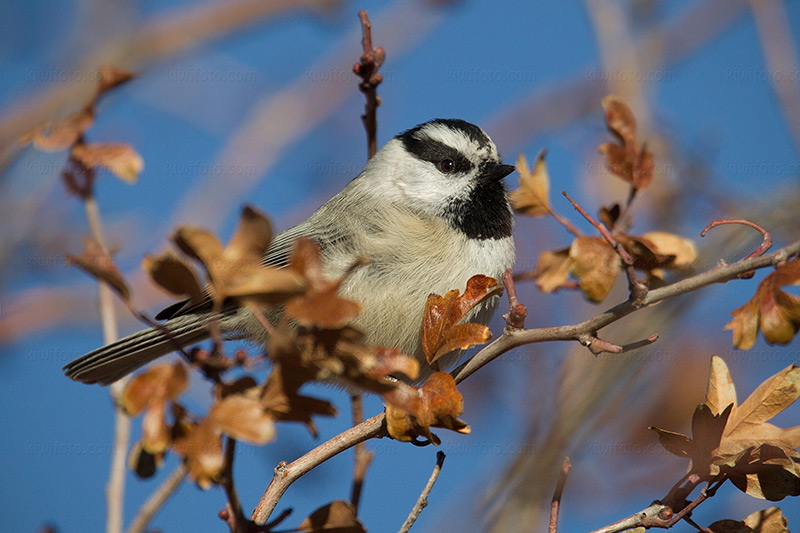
109,363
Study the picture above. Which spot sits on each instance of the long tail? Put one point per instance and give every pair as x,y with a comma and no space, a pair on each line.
109,363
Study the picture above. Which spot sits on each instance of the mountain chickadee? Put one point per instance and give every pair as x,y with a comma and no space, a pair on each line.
429,211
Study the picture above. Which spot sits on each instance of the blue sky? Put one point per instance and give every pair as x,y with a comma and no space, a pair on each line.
185,115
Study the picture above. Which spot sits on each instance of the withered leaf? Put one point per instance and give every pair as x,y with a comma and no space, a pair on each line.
110,78
338,516
201,449
320,306
774,311
173,275
118,158
437,404
441,331
766,472
596,265
627,160
281,399
532,196
144,464
97,262
236,271
681,250
552,269
769,520
54,136
720,391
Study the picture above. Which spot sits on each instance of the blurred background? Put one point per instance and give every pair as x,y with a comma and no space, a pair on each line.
255,101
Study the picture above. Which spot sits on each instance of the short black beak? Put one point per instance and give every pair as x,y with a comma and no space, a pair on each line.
496,172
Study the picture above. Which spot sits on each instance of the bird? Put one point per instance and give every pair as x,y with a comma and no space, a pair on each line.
428,211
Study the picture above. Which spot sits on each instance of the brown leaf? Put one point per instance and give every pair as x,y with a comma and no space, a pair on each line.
242,418
766,472
280,398
337,516
682,250
531,198
320,306
251,239
627,160
173,275
59,135
729,526
767,521
165,382
119,159
201,448
720,391
144,464
552,269
439,405
440,333
596,265
774,311
96,262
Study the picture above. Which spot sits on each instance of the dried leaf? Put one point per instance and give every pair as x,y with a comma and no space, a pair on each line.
552,269
531,198
173,275
720,392
774,311
110,78
280,398
320,306
144,464
440,332
682,250
596,265
337,516
165,382
767,521
201,448
96,262
54,136
436,404
119,159
627,160
242,418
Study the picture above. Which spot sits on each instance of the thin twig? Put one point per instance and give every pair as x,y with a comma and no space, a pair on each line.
235,519
375,427
367,70
422,501
157,499
637,288
766,242
555,503
115,487
362,458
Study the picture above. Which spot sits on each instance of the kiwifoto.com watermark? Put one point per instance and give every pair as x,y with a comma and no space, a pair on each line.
200,75
622,74
761,168
56,75
209,169
486,75
760,74
340,74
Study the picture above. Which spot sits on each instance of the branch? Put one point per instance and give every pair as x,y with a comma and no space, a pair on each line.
286,474
362,458
515,318
566,466
367,70
157,500
422,501
233,514
766,243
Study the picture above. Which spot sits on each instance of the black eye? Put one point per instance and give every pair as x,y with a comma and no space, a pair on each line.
447,165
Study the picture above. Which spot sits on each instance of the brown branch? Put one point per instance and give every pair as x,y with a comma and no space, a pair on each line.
233,515
637,288
375,427
286,474
515,318
362,458
555,503
157,500
766,242
367,70
422,501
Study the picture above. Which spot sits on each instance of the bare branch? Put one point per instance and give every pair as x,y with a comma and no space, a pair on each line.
157,500
367,70
362,458
422,501
555,503
766,243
